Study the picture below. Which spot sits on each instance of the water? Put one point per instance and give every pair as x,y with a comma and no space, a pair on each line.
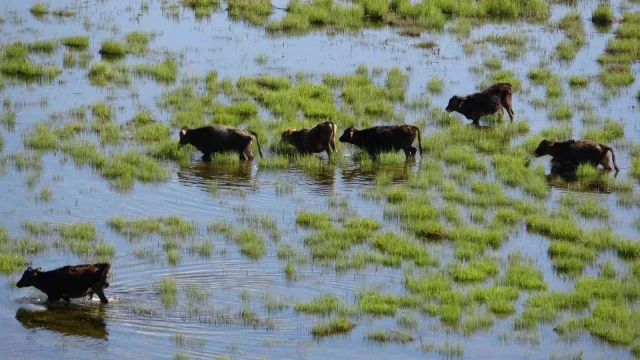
135,325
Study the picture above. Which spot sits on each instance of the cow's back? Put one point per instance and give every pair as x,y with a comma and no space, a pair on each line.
314,139
219,138
386,137
71,278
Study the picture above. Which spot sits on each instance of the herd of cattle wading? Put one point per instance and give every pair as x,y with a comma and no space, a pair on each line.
78,281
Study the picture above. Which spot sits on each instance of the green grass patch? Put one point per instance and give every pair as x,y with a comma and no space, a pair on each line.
323,305
313,220
104,73
578,81
403,247
166,226
168,291
79,42
252,245
524,277
39,9
166,71
113,48
602,15
435,85
332,327
474,271
389,336
614,76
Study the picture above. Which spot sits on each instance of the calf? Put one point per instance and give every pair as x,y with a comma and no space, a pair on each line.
489,101
383,138
214,139
575,152
317,139
68,281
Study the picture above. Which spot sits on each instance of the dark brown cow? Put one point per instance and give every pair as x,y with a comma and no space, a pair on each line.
214,139
317,139
68,281
489,101
575,152
384,138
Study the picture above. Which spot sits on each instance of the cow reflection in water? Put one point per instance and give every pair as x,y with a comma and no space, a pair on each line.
74,320
367,174
563,176
322,175
203,173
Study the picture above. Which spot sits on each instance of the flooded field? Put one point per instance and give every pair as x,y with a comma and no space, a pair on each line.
474,250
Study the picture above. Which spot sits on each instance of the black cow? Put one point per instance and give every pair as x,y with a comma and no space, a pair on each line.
68,281
317,139
575,152
383,138
214,139
489,101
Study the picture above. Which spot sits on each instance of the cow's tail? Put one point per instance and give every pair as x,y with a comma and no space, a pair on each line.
613,156
257,141
332,138
419,140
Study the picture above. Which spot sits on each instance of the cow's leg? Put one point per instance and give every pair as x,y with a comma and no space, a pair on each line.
605,162
507,104
206,157
51,299
409,151
373,155
246,153
67,299
327,148
98,290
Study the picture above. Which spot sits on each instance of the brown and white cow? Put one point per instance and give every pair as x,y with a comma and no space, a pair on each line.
576,152
317,139
214,139
68,282
487,102
384,138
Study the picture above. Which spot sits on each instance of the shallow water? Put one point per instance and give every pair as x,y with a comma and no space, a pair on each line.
135,324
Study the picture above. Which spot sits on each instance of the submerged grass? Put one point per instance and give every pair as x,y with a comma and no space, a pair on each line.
166,71
168,290
389,336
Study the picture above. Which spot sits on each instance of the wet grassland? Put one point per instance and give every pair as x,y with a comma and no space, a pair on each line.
474,250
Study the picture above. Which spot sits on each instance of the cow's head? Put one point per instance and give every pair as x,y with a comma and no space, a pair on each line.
184,136
29,278
287,135
455,103
544,148
348,134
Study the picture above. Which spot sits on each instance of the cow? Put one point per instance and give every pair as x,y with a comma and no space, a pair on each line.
214,139
575,152
487,102
383,138
68,281
317,139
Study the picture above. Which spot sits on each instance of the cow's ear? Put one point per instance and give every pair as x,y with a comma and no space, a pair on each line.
29,269
288,131
183,132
